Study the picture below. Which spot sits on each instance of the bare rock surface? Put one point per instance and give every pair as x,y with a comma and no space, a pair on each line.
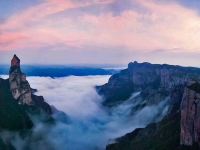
190,115
21,90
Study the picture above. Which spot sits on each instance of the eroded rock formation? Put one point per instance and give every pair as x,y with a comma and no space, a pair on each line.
19,86
21,90
145,76
180,128
190,114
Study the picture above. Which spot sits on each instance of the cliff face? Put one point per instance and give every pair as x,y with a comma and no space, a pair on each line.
145,77
12,115
19,86
190,115
164,135
180,129
17,100
21,90
153,137
21,111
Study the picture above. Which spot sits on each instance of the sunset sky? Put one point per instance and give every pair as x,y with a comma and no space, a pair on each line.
100,31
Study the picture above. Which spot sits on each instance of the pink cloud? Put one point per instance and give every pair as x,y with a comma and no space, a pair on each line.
11,40
33,23
162,26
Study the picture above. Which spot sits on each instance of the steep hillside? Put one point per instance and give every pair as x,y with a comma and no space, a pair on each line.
179,130
145,77
14,117
175,132
18,105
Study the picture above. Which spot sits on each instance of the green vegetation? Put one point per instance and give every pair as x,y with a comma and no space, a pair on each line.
13,116
195,87
162,136
4,146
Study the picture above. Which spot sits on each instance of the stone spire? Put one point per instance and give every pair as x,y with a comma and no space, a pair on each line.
21,89
15,64
19,86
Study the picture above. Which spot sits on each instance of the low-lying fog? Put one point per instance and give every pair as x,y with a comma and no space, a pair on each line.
90,125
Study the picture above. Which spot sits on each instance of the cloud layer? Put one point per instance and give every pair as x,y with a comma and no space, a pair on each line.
91,126
74,95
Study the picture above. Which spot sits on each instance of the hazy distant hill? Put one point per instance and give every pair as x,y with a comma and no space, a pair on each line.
60,71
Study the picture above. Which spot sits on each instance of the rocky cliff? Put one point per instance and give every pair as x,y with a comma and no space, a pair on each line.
145,77
163,135
21,90
190,114
17,101
179,130
19,86
12,115
18,107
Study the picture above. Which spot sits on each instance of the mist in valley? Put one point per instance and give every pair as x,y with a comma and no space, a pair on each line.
85,124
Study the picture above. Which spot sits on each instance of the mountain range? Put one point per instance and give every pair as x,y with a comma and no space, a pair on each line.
175,89
180,128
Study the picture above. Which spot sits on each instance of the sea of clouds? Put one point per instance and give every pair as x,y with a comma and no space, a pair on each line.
90,126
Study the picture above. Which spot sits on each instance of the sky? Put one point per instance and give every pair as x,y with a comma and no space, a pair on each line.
100,31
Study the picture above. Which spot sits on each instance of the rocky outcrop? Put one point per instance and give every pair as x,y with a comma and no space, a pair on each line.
145,76
21,111
39,102
190,114
12,115
157,136
19,86
180,129
21,90
165,134
17,101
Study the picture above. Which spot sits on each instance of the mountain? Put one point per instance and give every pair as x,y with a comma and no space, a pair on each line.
180,86
18,105
190,114
13,115
146,77
170,94
21,90
61,70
